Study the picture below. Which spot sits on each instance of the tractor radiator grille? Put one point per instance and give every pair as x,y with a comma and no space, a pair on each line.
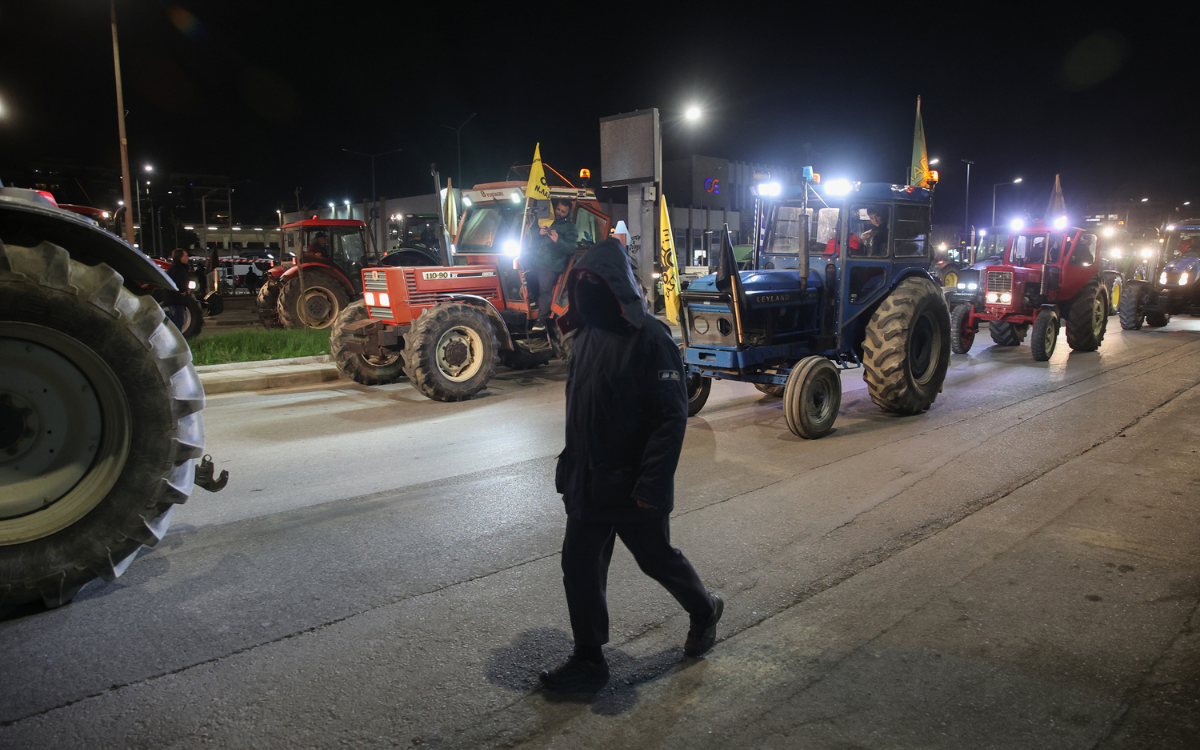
999,281
381,313
374,285
416,298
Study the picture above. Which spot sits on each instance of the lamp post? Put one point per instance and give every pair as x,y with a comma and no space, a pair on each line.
372,158
458,144
126,187
998,184
967,207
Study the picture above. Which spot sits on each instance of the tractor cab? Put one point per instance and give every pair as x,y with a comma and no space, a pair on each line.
413,240
345,250
331,269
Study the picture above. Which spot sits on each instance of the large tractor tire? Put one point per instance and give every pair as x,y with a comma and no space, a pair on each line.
698,388
1131,313
961,335
1045,335
193,318
267,305
450,352
1157,319
99,424
1006,334
1087,319
361,368
316,306
907,348
812,397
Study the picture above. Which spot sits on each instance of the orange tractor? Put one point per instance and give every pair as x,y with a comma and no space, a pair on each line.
444,327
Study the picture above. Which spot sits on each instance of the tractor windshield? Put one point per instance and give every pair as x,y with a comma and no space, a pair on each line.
991,246
1029,248
485,228
1180,244
785,238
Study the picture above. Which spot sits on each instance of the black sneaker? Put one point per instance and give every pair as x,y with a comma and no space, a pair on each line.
576,675
701,637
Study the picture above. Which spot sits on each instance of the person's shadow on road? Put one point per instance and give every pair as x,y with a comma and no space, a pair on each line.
516,667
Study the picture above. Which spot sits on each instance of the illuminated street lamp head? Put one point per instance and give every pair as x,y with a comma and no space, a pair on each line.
983,233
1016,225
1019,179
692,113
331,205
148,168
1144,200
933,161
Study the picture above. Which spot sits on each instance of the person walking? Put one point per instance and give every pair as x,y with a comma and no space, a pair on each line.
626,416
554,246
174,302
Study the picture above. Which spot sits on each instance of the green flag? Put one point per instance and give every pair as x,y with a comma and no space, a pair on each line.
919,174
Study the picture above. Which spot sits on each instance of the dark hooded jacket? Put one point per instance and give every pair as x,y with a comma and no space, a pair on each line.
626,398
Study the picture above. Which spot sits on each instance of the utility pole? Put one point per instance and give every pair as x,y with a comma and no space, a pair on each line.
967,208
126,187
372,158
458,143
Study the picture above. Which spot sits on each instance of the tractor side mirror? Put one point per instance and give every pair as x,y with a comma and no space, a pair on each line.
1053,278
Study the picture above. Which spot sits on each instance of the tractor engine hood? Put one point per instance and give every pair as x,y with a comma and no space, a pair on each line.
765,287
1186,264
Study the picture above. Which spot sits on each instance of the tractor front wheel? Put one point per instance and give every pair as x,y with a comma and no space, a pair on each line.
193,317
1006,334
1157,319
1087,319
1131,313
961,333
812,397
1045,335
907,348
317,305
267,305
450,352
377,370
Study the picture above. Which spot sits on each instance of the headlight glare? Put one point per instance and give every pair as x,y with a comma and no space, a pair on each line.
972,286
369,298
1183,277
384,301
1162,277
512,248
1006,298
993,297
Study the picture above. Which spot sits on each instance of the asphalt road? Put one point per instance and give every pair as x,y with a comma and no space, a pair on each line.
1015,568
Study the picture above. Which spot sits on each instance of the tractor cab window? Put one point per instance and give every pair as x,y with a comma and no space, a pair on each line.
486,228
1180,244
344,246
592,227
1084,253
912,228
785,238
1028,249
870,226
825,239
1055,250
991,246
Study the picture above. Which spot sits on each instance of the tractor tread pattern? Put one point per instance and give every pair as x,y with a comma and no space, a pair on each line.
351,363
1130,310
289,296
1005,334
885,348
418,354
1080,336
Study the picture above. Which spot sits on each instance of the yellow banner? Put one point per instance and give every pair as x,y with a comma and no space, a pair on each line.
670,265
919,175
537,189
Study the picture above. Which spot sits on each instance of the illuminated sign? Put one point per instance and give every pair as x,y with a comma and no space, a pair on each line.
712,186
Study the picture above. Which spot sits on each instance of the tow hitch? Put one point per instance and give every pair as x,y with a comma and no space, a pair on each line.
205,472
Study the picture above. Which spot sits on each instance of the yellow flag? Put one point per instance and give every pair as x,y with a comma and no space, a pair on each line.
450,211
670,265
919,175
537,189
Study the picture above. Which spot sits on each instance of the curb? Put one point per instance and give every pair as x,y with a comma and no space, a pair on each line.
272,376
259,364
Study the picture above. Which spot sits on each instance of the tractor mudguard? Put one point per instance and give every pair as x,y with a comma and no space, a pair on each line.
26,222
329,268
498,324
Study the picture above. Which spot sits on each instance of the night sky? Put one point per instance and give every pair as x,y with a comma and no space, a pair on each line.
271,92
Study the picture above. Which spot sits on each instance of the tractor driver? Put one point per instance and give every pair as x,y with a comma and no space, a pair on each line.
316,251
553,247
876,238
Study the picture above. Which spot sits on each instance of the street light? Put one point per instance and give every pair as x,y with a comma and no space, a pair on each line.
998,184
933,161
692,113
967,209
148,168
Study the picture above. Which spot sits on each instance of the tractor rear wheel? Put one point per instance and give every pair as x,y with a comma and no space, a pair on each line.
361,368
267,305
99,424
1087,318
1045,335
316,306
961,335
1006,334
1131,313
450,352
1157,319
907,348
1116,289
812,397
193,318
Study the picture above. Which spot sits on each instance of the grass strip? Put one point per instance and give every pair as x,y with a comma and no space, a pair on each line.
254,345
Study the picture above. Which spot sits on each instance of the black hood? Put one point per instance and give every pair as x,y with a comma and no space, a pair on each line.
608,261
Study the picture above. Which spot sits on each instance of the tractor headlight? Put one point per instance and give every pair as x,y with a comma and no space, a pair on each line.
369,298
1005,298
192,284
384,301
1162,277
1147,253
1116,253
1183,277
962,286
972,287
993,298
512,248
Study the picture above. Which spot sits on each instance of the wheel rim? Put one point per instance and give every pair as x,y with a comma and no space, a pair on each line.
951,279
187,319
1099,313
1051,337
924,348
318,307
1116,294
459,353
68,431
818,402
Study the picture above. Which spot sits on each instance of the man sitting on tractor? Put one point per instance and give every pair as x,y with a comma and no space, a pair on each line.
553,247
876,238
316,251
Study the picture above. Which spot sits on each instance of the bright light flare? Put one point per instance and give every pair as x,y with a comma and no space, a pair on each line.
1147,252
1016,225
692,113
769,189
1060,222
1162,277
838,187
466,202
1170,227
1183,277
983,233
516,197
1019,179
384,300
1109,231
512,248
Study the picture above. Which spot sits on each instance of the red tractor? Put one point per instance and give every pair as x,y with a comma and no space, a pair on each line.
332,276
445,327
1048,275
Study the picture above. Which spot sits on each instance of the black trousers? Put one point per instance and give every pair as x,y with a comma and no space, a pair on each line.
587,551
546,280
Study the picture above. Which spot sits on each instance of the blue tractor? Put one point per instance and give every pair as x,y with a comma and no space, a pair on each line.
840,280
